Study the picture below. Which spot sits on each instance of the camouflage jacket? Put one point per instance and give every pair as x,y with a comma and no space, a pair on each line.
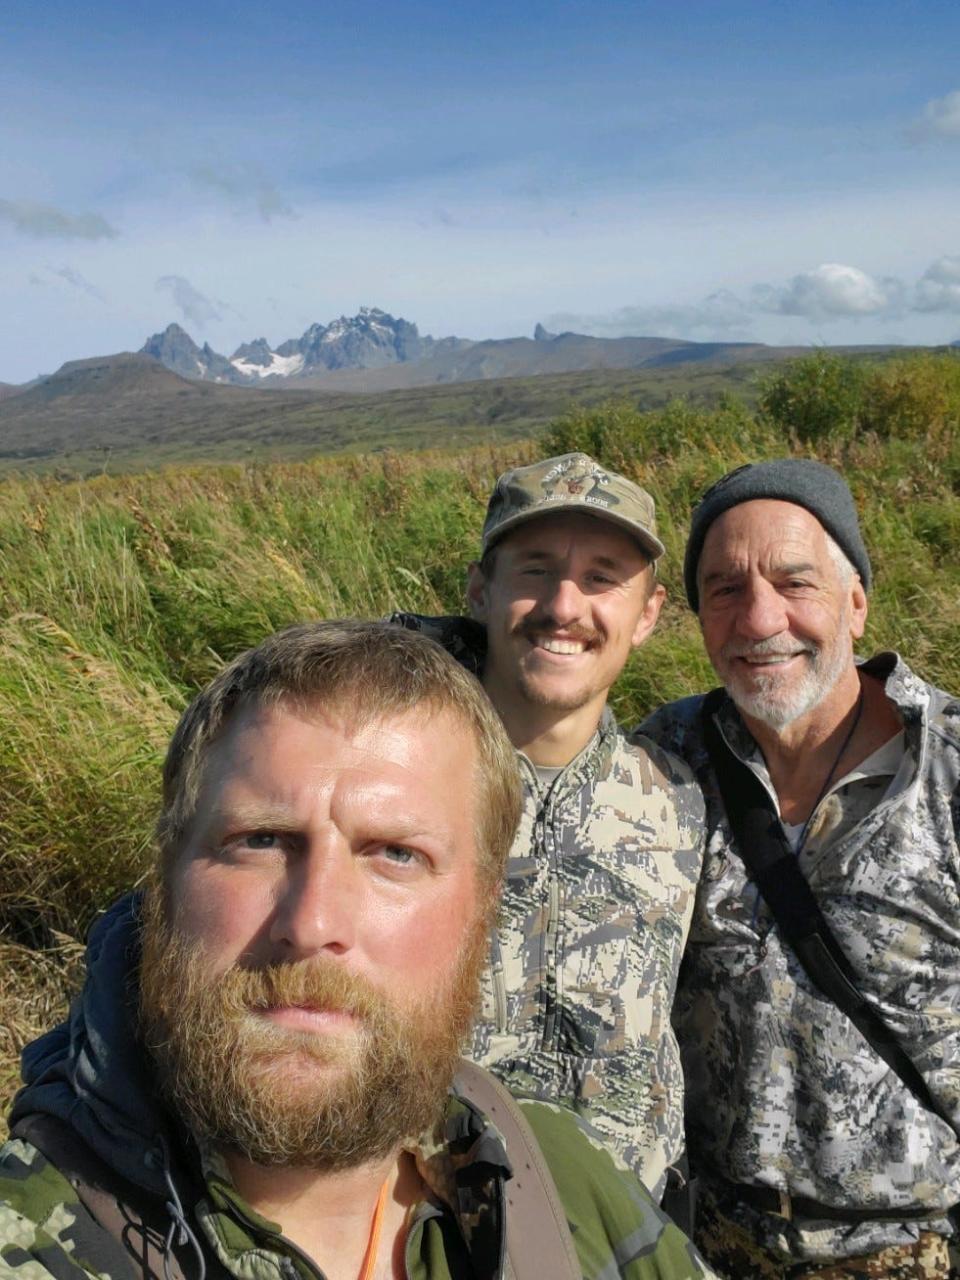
92,1074
598,900
782,1090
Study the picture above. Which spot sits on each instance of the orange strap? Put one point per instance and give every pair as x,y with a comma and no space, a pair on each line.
373,1244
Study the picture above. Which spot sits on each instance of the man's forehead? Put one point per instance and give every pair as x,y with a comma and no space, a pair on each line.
553,533
275,764
329,739
765,526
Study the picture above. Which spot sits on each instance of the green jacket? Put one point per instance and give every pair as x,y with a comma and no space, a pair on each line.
92,1074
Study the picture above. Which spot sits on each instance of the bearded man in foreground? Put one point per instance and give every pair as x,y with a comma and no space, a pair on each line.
261,1078
819,1006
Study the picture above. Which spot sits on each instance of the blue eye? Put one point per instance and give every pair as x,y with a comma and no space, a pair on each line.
399,853
261,840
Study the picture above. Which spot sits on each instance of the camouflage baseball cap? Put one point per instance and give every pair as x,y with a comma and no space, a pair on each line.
572,482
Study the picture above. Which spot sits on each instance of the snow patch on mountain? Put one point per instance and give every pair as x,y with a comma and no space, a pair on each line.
279,366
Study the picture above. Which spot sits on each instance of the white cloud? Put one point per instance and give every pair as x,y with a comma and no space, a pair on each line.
938,289
191,303
940,118
45,221
829,292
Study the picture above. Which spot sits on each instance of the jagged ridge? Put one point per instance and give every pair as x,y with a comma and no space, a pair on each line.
371,339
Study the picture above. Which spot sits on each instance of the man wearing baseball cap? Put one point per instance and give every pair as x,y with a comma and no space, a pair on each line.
819,1013
603,873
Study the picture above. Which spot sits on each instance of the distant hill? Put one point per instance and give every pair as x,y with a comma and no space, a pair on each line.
532,357
374,351
132,408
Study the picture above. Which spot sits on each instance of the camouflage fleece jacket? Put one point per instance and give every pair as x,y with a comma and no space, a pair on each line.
782,1090
91,1073
598,900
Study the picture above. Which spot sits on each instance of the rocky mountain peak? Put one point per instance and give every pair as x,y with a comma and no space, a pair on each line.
371,339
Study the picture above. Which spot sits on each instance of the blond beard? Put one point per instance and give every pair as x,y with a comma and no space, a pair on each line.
282,1097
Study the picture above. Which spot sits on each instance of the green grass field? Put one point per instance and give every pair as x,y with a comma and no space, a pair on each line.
120,596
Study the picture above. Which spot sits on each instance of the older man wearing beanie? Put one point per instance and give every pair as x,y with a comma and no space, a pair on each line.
603,872
819,1008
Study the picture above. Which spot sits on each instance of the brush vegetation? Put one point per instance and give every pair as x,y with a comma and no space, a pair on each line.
121,596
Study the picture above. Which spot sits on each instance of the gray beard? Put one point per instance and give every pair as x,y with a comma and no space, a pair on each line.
778,709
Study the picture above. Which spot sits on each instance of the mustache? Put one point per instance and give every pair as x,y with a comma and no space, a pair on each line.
771,648
316,983
531,628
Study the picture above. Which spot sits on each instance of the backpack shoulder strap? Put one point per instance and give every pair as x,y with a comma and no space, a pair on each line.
762,845
136,1231
538,1239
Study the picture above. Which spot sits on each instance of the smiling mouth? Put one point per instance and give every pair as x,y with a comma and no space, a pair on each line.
769,660
552,644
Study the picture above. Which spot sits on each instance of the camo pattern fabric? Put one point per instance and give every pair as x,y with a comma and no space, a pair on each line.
598,900
782,1090
736,1255
597,904
46,1234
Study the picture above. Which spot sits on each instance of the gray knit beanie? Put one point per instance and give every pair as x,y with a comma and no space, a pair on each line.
813,485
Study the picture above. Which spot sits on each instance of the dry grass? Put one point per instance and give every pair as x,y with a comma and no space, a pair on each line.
35,990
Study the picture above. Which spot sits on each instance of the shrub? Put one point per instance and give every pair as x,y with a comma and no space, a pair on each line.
815,399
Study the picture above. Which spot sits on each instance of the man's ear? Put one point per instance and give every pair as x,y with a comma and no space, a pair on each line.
858,608
477,592
651,612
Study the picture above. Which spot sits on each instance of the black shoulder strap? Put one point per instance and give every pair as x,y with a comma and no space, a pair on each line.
538,1239
137,1227
772,864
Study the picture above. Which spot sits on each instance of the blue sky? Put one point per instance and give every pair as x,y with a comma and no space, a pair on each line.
708,170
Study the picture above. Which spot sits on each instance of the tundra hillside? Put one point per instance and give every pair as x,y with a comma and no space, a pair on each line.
119,597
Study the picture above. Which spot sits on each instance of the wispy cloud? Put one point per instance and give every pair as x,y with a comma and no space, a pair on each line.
77,281
940,119
831,292
194,306
47,222
720,312
243,186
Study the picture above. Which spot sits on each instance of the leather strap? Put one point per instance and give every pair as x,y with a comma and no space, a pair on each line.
538,1240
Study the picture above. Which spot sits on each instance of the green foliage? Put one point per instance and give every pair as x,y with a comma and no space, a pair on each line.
831,400
816,398
625,437
917,398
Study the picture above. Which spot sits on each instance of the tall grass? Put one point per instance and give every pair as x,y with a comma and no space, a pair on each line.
119,597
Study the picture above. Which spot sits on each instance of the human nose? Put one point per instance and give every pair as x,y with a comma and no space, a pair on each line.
565,602
318,903
762,613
